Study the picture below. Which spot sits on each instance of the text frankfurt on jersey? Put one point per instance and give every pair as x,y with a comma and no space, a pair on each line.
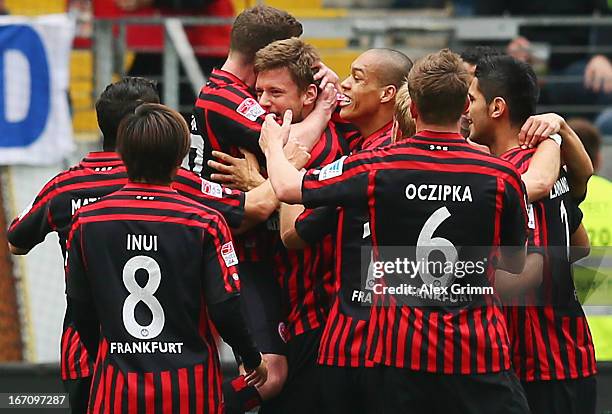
146,347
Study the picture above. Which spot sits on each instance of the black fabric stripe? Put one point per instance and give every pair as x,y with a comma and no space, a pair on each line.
76,359
326,151
473,342
140,394
176,391
544,335
221,100
113,390
159,395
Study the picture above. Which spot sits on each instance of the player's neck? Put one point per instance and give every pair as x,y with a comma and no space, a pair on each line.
425,126
243,71
372,124
506,138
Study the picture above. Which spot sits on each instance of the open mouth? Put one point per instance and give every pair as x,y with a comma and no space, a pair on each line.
343,100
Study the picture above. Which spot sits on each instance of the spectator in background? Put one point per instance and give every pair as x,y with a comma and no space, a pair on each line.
3,9
592,67
211,43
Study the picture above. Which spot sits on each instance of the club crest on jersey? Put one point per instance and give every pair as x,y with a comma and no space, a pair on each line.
250,109
332,170
283,332
229,254
211,189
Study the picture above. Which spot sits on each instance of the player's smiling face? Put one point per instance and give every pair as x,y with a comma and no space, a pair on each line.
480,122
277,92
361,88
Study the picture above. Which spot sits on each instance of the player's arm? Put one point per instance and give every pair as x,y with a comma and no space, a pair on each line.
221,286
308,132
78,290
259,204
579,167
301,227
510,285
543,170
32,226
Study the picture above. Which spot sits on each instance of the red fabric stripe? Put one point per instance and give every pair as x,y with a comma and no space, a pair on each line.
465,342
432,348
101,386
183,390
232,115
132,392
199,388
210,134
540,347
491,330
571,351
580,340
342,346
554,342
149,392
391,321
64,354
118,402
449,343
402,336
417,340
108,389
589,346
166,390
529,344
480,341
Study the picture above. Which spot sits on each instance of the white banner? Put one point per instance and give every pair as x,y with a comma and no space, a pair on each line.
35,124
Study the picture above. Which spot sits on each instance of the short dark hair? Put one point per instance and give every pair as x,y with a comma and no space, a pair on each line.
512,80
120,99
259,26
589,134
294,54
473,54
438,84
152,142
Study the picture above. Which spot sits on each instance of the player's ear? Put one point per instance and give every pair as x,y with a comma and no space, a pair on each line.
310,96
497,107
388,93
466,107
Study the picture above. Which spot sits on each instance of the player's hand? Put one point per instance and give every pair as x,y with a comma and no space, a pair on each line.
259,375
131,5
273,134
296,154
327,100
326,75
538,128
240,173
520,48
598,74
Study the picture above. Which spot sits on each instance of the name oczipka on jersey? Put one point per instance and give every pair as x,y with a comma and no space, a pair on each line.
146,347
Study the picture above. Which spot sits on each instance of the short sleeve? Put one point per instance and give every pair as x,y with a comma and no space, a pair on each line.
314,224
35,222
220,278
341,183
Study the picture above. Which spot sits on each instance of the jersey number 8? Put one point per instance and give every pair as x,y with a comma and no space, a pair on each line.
144,295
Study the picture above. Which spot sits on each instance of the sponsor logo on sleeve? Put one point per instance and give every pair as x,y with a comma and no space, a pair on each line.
332,170
229,254
212,189
250,109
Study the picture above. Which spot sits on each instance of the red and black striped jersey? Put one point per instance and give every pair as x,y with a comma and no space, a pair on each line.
305,275
227,116
343,340
418,195
149,261
550,338
97,175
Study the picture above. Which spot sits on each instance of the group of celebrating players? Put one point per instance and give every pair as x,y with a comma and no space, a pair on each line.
315,181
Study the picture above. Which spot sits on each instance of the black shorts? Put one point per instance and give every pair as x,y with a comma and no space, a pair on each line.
302,390
415,392
578,396
346,390
78,394
261,306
